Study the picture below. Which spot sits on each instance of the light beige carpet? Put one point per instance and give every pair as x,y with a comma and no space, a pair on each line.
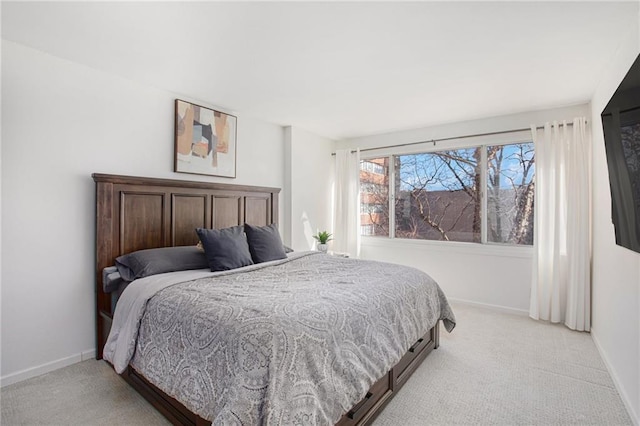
493,369
503,369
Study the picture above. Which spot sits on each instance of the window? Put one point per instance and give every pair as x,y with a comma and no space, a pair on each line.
374,196
372,208
367,229
437,196
370,187
510,193
372,166
440,195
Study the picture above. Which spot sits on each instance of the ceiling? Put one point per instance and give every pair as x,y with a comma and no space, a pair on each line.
341,69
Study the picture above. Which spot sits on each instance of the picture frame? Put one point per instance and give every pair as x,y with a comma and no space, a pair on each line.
205,140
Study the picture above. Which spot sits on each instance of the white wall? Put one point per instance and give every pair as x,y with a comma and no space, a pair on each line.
309,179
61,122
616,270
489,275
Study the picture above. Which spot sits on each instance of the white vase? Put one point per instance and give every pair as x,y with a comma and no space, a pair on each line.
322,248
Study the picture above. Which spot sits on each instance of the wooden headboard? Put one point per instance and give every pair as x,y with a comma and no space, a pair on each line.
135,213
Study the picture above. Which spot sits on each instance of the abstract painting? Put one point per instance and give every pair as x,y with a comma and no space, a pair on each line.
205,141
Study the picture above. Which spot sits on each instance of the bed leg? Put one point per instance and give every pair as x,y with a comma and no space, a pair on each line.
436,335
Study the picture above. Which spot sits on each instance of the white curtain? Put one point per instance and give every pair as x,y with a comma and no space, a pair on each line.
346,233
561,287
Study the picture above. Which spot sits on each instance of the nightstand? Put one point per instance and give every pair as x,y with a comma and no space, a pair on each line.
338,254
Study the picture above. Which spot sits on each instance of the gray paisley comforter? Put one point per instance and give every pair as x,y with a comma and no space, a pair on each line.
296,341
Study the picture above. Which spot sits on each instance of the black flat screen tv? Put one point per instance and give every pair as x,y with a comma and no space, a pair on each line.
621,126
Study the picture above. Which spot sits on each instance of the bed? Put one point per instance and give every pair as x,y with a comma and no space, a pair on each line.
313,346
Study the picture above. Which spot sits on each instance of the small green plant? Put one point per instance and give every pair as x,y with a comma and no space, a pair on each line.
323,237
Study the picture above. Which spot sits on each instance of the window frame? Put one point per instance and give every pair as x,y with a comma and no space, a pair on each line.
391,153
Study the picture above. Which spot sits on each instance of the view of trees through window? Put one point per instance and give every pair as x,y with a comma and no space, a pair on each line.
438,194
510,193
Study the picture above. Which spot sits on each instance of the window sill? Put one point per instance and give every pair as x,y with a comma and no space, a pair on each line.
451,247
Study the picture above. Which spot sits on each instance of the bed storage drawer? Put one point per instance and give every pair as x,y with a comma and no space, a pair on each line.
360,413
405,366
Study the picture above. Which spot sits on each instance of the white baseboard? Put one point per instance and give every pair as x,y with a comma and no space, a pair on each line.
39,370
616,381
498,308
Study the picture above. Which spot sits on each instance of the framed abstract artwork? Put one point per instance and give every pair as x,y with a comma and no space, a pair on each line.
205,141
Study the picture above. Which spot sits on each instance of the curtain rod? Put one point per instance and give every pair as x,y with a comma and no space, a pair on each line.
433,141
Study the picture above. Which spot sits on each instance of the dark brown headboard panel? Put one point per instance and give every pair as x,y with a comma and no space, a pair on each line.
135,213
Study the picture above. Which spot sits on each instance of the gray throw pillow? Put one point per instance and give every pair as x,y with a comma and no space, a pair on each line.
265,243
225,248
143,263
